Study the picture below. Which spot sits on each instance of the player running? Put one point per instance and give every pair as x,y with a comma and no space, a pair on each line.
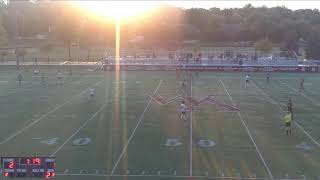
287,119
247,79
184,82
268,77
43,80
91,90
301,85
36,72
19,78
59,77
289,105
178,71
183,111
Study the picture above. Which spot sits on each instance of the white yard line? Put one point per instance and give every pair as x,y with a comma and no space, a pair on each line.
95,175
309,98
77,131
270,99
191,114
281,111
249,133
172,176
134,131
44,115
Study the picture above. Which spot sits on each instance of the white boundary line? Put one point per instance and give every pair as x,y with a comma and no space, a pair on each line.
134,130
81,127
270,98
249,133
281,110
286,84
191,126
172,176
45,115
76,132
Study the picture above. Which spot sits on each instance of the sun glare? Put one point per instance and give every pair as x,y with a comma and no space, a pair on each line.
117,9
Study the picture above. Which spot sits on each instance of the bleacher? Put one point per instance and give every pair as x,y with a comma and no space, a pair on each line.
207,58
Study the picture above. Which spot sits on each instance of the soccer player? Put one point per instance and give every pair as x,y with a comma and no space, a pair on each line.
19,78
183,111
178,73
59,77
36,72
43,80
301,85
287,119
268,77
197,74
184,81
289,105
92,92
247,79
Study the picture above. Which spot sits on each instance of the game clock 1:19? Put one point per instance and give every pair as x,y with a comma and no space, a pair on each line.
30,161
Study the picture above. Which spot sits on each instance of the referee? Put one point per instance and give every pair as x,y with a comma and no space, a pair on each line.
287,119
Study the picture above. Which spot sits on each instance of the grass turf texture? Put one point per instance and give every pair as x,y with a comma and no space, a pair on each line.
128,131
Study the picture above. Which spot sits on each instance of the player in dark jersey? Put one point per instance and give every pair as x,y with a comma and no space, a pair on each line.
19,78
268,77
301,85
289,105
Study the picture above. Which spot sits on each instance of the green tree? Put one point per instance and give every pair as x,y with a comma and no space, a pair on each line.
88,36
264,45
20,53
3,36
3,54
290,41
313,45
3,31
196,48
47,48
68,27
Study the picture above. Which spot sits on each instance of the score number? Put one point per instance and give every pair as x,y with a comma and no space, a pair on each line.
10,166
30,161
50,174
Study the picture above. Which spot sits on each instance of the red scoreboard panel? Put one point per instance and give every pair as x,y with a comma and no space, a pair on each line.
42,167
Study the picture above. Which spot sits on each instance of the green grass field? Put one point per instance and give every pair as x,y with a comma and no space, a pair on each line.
121,133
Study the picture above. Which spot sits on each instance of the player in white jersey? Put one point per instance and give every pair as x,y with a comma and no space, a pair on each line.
59,77
91,92
183,111
36,72
247,79
268,77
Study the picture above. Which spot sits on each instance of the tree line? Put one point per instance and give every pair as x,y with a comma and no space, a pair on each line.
165,26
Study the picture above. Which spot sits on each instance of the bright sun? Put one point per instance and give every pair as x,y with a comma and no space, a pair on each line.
118,9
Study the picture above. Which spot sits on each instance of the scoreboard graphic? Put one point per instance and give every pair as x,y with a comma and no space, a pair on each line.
41,167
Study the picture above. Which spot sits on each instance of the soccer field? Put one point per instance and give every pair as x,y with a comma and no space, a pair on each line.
122,133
